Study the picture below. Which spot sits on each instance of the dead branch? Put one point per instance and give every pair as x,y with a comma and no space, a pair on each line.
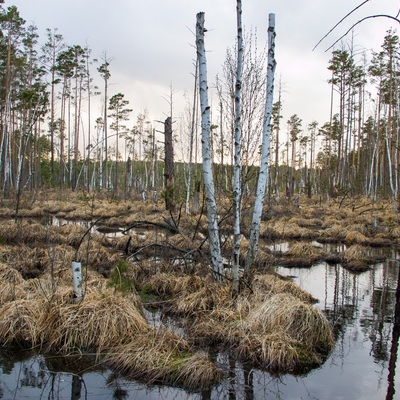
337,24
359,22
143,223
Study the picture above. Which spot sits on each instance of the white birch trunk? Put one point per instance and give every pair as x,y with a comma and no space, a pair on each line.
237,169
212,216
389,163
77,280
265,151
192,129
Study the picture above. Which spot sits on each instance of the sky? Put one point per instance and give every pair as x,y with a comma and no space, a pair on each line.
151,43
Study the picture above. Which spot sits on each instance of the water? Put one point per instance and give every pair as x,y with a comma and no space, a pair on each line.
360,306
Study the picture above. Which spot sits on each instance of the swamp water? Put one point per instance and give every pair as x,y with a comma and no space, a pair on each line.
361,307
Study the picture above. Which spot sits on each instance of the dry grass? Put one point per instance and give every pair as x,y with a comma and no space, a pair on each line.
101,321
307,222
203,300
25,232
168,284
301,321
10,292
10,275
356,237
301,249
198,372
335,233
269,285
250,323
355,252
21,323
160,357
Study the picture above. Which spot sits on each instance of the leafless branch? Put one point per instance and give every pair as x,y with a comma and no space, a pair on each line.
359,22
332,29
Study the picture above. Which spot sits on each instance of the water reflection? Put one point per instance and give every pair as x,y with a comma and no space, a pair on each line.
364,309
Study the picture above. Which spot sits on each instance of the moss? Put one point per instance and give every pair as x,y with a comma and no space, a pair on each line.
118,278
146,294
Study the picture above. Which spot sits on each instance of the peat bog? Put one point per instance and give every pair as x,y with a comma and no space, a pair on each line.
157,261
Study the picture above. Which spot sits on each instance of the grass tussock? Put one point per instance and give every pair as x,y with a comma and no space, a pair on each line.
249,323
21,323
269,285
355,252
203,300
301,249
162,358
99,323
10,275
356,237
356,258
301,321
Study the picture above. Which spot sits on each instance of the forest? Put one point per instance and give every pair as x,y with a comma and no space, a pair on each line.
45,142
186,212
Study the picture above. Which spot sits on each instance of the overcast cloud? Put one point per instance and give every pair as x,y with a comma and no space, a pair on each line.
151,42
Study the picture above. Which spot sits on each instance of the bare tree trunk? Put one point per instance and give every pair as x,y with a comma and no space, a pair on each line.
192,129
263,176
212,216
237,169
169,165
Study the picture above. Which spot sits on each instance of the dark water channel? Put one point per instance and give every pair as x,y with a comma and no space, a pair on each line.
361,307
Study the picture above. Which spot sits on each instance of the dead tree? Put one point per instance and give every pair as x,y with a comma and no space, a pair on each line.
169,165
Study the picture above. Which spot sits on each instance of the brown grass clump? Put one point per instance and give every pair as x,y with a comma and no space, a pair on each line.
169,284
147,356
335,233
10,292
21,323
274,351
269,285
101,321
24,232
330,222
160,357
356,237
355,252
394,231
198,373
307,222
303,322
203,300
10,275
356,258
249,324
301,249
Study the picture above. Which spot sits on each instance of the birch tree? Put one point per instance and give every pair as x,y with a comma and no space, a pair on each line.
265,151
215,246
237,169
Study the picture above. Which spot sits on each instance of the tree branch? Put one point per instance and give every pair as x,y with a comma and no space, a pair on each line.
332,29
359,22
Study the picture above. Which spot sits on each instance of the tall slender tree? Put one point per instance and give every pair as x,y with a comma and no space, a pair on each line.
119,114
265,150
212,214
237,168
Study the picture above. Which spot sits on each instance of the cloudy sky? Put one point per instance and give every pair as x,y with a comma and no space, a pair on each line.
151,42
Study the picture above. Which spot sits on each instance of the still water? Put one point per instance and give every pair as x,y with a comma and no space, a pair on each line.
361,307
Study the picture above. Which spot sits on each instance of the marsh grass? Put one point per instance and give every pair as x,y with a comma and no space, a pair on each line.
272,323
249,324
301,249
356,237
160,357
21,323
99,322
